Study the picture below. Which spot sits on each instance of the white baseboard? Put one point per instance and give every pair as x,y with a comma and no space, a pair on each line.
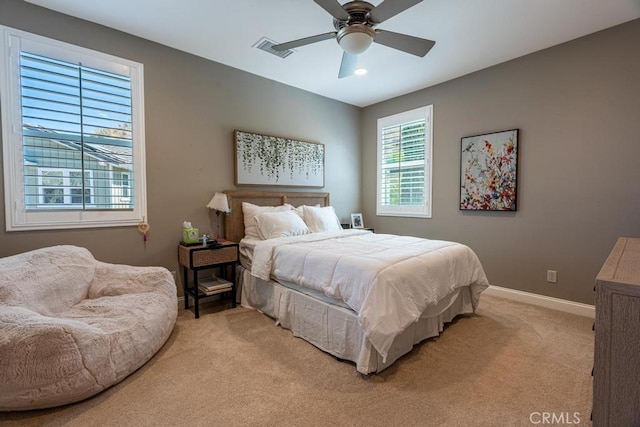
572,307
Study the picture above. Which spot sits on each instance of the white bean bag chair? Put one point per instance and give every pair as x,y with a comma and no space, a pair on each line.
71,326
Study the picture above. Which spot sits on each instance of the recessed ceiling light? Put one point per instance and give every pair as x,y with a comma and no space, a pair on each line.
360,71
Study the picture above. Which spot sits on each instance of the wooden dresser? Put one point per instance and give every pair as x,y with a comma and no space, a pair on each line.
616,375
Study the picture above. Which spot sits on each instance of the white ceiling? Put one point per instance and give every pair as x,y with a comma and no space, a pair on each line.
470,35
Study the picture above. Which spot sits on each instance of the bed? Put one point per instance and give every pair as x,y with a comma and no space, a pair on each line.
363,297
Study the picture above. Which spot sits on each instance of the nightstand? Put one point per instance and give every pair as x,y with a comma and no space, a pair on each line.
196,258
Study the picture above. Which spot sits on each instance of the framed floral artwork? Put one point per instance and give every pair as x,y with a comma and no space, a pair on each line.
489,171
271,160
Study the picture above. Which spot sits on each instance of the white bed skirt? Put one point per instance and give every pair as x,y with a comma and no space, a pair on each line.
335,329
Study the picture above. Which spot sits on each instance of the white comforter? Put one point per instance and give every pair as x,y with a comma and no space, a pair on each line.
388,280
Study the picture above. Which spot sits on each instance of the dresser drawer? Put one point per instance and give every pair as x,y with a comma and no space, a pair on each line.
195,258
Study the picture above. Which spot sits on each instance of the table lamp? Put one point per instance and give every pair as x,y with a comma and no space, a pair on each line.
219,204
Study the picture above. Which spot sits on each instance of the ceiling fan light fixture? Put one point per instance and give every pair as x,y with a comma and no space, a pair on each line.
355,38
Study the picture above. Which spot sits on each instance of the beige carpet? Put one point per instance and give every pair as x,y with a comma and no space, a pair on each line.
234,367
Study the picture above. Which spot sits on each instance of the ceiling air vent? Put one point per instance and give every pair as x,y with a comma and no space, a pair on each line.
266,45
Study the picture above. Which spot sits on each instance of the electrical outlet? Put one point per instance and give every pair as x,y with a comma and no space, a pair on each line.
552,276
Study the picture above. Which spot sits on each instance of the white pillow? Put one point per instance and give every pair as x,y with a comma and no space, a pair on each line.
250,211
280,224
321,219
299,209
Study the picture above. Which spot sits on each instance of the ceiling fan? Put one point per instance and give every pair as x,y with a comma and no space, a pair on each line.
355,24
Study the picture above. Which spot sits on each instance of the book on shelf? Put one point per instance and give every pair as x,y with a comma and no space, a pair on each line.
214,284
214,292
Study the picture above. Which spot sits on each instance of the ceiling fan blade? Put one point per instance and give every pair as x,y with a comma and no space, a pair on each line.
348,65
334,8
410,44
388,9
305,41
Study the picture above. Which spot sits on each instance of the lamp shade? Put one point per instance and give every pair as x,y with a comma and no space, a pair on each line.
355,38
219,203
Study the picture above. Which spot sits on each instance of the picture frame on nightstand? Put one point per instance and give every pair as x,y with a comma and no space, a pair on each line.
356,220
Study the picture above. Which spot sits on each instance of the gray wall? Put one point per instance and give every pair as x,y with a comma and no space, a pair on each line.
192,106
577,106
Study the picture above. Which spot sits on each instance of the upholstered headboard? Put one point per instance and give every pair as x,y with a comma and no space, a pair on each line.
234,221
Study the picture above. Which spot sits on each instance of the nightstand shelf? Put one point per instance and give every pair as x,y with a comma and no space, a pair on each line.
196,258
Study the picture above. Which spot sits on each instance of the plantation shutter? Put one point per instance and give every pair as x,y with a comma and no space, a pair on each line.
402,164
76,136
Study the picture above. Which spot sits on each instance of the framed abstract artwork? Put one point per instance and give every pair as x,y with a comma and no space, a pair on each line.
271,160
489,171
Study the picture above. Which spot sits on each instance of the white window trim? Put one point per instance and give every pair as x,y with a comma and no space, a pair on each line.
17,218
407,116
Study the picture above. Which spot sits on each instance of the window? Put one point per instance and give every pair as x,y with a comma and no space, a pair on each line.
404,164
122,187
62,188
73,132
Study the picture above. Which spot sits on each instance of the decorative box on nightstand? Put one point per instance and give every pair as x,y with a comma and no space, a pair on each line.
195,258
